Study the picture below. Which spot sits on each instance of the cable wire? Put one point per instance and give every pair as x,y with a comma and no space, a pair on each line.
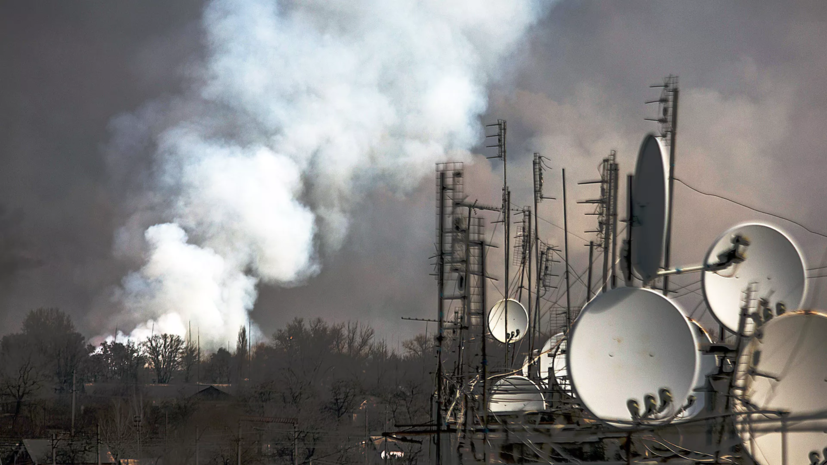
752,208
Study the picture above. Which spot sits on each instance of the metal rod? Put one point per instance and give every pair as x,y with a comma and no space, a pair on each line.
527,249
566,241
440,314
507,234
537,194
605,195
667,254
589,278
630,218
483,252
613,171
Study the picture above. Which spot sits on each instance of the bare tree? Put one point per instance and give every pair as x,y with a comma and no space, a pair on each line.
342,397
20,376
164,352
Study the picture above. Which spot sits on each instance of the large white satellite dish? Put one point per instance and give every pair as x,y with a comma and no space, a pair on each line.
785,371
707,366
650,192
517,321
515,394
629,345
772,262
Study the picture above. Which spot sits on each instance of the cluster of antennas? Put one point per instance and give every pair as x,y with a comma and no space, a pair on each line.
632,360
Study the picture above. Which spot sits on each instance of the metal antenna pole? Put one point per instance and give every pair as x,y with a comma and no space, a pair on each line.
667,254
566,241
440,313
630,218
613,173
483,252
507,231
606,200
527,254
538,186
589,278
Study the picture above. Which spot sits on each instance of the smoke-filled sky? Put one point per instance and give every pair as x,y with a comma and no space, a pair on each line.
166,163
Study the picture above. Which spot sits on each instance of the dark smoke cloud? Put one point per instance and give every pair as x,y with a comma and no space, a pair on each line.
751,127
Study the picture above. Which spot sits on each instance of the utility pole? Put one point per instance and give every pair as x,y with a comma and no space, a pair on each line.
566,242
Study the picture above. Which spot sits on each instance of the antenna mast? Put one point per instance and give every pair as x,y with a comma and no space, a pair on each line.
606,212
668,121
502,154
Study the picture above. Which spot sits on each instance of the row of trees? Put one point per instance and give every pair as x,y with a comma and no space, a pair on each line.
325,375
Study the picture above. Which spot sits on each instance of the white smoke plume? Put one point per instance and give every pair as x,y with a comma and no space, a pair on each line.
297,110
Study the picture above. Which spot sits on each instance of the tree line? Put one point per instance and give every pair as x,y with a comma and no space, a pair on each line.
337,379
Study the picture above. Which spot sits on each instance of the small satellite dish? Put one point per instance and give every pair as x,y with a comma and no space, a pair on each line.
547,360
772,262
632,356
785,371
515,394
649,198
517,321
708,365
561,372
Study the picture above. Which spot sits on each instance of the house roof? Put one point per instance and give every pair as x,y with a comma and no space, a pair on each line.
160,391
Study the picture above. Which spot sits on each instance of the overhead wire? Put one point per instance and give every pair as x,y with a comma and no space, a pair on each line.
797,223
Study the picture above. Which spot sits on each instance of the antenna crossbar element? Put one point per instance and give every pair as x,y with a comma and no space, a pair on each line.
605,208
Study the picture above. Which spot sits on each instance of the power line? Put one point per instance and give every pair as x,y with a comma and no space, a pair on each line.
752,208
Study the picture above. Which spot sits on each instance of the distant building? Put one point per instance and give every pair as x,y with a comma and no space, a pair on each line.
157,393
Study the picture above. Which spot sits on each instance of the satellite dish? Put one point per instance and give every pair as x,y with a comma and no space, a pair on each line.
517,321
561,372
515,394
708,365
785,371
649,198
547,360
772,262
631,350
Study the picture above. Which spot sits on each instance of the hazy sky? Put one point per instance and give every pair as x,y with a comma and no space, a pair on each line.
751,127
